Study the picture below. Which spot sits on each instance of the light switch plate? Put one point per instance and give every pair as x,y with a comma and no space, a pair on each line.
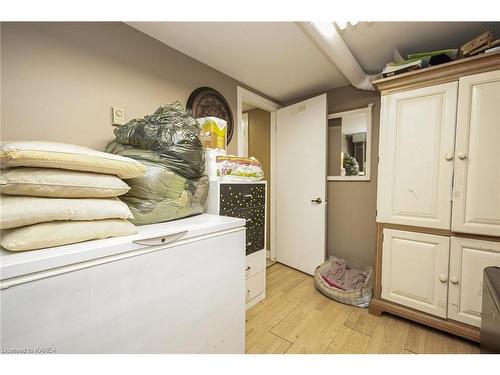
118,116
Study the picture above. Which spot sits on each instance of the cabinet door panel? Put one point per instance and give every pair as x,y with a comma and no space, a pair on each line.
415,270
476,203
417,136
468,260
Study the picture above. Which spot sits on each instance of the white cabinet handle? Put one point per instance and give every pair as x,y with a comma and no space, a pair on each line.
160,240
461,155
448,157
443,278
454,280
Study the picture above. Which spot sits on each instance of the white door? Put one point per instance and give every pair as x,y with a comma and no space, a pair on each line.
476,202
417,139
468,260
415,270
301,137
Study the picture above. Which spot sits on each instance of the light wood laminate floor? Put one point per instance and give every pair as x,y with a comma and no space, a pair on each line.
296,318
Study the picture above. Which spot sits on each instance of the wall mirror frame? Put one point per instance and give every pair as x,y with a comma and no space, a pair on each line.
358,141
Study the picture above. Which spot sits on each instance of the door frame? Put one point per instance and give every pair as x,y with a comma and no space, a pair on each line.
247,96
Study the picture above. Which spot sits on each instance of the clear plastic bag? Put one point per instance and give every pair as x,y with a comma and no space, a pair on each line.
237,168
161,194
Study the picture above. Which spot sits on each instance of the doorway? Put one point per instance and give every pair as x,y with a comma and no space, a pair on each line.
256,121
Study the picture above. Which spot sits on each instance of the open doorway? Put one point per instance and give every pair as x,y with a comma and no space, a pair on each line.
256,128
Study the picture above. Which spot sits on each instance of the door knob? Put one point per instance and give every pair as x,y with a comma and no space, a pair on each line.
443,278
461,155
454,279
317,200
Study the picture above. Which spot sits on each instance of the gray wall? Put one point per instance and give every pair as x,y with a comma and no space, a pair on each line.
352,204
59,80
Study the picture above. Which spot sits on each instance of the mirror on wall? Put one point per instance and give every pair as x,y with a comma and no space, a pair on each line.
349,145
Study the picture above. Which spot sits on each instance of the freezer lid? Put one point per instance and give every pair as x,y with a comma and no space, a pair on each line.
149,237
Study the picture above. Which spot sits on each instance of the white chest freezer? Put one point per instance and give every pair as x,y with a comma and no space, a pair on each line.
175,287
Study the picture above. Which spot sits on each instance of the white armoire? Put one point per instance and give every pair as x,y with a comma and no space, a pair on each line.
438,203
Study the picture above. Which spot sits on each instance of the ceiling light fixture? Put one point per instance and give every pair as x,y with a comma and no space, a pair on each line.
342,25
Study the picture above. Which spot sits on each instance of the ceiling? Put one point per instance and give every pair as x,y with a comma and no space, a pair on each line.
279,60
373,43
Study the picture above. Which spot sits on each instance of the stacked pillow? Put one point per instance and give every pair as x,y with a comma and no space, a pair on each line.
55,194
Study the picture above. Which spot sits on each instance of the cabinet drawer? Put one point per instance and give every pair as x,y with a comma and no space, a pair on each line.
255,285
254,240
237,196
255,263
255,217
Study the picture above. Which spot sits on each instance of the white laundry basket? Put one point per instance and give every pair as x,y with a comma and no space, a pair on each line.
359,297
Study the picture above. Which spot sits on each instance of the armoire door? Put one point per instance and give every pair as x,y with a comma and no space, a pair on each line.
417,140
468,259
415,270
476,197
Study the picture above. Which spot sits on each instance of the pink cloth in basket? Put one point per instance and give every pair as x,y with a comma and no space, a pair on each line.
338,275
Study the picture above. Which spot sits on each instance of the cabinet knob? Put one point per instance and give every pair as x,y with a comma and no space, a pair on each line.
448,157
317,200
461,155
443,278
454,280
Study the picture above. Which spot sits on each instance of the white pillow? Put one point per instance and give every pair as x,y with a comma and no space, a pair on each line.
66,156
60,183
59,233
17,211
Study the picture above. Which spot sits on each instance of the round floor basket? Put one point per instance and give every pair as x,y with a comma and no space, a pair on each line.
360,297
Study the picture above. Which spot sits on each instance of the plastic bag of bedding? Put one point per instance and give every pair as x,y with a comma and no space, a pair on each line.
161,194
172,134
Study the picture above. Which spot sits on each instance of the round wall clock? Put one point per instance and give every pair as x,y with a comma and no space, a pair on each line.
205,101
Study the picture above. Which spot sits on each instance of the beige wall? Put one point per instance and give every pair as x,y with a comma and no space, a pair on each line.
352,205
59,80
259,146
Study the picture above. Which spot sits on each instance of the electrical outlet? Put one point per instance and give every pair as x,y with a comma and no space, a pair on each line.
118,116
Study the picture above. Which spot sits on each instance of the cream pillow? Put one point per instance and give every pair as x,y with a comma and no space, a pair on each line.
17,211
59,233
60,183
66,156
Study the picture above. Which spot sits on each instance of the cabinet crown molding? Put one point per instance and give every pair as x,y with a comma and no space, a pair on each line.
443,73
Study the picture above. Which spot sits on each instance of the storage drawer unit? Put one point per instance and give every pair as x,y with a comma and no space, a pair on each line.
245,200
